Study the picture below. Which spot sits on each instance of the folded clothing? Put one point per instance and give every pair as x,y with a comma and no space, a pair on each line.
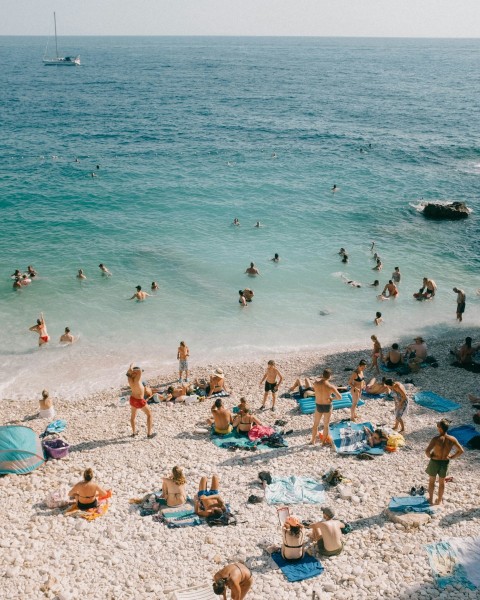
257,432
408,504
435,402
297,570
294,490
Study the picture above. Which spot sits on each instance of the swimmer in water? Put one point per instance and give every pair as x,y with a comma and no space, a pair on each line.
257,224
345,258
351,282
276,258
155,286
17,283
378,318
139,295
236,222
372,246
81,274
252,270
342,251
376,283
274,155
67,337
93,174
104,270
25,280
41,329
378,266
31,271
334,188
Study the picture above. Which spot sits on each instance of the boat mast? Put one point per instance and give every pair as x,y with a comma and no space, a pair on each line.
55,21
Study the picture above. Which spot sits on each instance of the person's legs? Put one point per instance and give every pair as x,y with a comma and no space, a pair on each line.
326,427
441,489
401,424
133,414
274,397
148,412
316,421
295,385
308,382
215,482
245,587
353,410
265,398
431,488
202,486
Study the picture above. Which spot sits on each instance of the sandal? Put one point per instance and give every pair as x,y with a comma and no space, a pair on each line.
413,491
421,491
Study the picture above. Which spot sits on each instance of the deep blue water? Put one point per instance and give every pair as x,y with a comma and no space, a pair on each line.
192,132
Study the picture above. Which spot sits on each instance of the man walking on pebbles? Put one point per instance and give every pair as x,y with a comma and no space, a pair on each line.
272,378
438,451
137,400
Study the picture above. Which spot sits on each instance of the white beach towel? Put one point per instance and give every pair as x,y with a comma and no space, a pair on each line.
467,550
199,592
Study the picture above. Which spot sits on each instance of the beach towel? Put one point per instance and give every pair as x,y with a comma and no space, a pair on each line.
92,513
179,516
257,432
455,562
54,427
463,433
294,490
368,395
298,570
198,592
408,504
234,439
350,438
435,402
307,405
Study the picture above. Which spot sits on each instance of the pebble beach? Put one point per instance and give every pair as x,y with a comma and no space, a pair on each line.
122,555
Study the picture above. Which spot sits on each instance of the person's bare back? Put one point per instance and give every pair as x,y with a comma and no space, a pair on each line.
442,445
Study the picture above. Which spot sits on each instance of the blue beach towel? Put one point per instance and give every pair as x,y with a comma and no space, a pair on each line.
179,516
54,427
307,405
298,570
435,402
408,504
350,438
294,490
463,433
234,438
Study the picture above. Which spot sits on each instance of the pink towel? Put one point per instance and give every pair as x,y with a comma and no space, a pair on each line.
259,431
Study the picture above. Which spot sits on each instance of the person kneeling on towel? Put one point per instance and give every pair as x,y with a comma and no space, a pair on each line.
328,534
293,539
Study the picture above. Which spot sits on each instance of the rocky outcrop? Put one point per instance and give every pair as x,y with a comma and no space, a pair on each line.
454,210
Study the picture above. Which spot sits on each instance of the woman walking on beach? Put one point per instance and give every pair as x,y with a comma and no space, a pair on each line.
137,400
357,384
376,354
182,356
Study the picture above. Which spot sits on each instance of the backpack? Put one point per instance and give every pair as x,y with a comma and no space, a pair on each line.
222,520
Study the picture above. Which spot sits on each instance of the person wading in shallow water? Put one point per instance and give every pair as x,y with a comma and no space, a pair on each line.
41,329
438,451
137,400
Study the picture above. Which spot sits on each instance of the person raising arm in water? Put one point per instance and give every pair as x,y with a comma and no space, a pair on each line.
438,451
137,400
139,295
41,329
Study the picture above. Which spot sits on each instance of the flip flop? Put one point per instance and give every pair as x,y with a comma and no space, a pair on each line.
151,436
420,491
413,491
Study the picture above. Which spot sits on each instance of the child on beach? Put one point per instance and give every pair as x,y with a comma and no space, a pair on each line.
401,403
182,356
271,383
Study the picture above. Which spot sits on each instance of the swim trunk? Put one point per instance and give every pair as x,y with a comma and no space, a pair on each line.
391,365
323,408
461,307
400,409
45,338
304,390
82,506
325,552
270,387
223,431
137,402
437,467
183,365
207,493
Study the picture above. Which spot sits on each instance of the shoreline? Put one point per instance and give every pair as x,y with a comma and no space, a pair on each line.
160,559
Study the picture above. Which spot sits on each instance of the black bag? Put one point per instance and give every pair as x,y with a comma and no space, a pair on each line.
222,520
265,476
474,443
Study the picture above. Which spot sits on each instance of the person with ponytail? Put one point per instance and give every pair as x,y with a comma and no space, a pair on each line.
87,492
173,488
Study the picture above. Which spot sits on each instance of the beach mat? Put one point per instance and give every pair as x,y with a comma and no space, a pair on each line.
463,433
454,562
298,570
294,490
234,438
179,516
350,438
197,592
409,504
435,402
307,405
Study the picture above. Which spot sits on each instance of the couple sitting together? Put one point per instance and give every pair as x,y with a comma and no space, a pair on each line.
223,421
208,502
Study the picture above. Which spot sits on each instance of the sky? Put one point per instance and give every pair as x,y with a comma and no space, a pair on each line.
356,18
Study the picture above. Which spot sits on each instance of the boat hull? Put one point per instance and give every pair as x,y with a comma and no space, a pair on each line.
62,62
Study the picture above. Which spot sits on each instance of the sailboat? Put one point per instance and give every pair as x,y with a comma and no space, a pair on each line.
67,61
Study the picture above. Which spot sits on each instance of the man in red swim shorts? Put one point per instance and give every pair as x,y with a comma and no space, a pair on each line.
137,401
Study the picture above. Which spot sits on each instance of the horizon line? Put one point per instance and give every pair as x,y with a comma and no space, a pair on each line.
170,35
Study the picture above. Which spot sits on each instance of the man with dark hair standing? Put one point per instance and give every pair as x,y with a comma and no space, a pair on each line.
438,451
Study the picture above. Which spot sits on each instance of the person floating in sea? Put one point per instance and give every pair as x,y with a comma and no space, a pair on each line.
324,390
252,270
154,287
272,378
396,275
276,258
81,274
351,282
139,295
104,270
182,356
461,299
41,329
138,401
438,451
67,337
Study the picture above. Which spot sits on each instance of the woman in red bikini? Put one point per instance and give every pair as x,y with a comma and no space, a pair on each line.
137,400
41,329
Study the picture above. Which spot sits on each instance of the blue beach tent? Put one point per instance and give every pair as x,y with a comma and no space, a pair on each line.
20,450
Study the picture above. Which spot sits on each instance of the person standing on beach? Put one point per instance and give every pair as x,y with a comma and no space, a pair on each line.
324,390
271,383
137,400
236,577
438,451
401,403
461,299
252,270
41,329
139,295
357,385
376,352
182,356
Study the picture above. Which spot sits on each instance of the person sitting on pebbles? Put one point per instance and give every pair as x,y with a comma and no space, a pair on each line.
244,420
173,488
208,502
293,539
221,418
236,577
46,406
87,492
328,534
393,358
217,383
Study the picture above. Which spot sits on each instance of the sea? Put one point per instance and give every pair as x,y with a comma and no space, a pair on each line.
184,134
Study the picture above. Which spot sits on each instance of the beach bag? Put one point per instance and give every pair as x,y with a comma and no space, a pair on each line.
56,448
223,520
333,477
57,498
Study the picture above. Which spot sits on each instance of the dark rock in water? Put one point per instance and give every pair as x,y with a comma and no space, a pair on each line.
454,210
323,313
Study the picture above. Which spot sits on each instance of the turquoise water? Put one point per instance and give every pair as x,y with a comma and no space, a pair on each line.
192,132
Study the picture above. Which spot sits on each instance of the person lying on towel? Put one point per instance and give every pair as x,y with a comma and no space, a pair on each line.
376,438
87,492
207,501
328,534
